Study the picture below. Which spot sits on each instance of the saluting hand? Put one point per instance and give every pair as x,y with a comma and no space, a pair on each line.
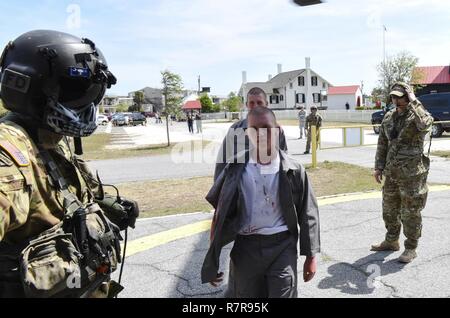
411,96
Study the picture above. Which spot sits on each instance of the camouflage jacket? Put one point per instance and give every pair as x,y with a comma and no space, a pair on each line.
29,204
401,142
313,120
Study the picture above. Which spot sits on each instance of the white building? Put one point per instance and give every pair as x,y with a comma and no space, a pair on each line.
339,96
110,102
288,90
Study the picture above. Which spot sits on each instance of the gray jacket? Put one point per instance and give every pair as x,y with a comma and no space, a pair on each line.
298,202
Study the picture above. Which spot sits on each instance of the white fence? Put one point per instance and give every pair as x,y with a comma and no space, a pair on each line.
356,116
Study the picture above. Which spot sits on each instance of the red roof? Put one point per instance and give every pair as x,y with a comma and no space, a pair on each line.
193,104
433,75
343,90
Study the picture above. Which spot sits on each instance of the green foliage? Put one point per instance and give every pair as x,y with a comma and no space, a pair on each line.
138,100
233,103
172,95
216,108
207,104
172,92
121,108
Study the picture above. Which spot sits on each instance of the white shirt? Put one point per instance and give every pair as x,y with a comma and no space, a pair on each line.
262,214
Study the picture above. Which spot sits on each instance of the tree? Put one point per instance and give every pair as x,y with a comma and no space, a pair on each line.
121,108
207,104
172,94
233,103
216,108
398,68
138,100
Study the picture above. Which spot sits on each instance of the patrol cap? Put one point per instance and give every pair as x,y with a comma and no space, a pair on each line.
313,107
398,89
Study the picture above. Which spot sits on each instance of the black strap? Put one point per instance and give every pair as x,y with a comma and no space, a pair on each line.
71,202
73,207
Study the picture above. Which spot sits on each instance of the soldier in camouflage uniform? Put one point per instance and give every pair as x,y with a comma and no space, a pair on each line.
52,83
313,119
400,159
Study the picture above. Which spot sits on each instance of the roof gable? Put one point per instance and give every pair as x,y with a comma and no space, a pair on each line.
193,104
343,90
433,74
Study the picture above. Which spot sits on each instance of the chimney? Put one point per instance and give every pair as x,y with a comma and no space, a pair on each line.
244,77
270,77
280,68
308,63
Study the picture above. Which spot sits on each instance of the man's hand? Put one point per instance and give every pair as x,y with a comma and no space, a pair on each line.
411,96
309,268
216,282
378,175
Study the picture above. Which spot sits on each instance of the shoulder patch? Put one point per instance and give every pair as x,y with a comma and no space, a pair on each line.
19,158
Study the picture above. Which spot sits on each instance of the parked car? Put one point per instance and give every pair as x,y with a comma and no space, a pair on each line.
119,120
378,116
102,120
438,105
137,119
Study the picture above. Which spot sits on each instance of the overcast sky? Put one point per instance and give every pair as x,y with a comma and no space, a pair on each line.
218,39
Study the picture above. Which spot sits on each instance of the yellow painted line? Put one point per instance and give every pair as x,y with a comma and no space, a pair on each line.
348,198
154,240
148,242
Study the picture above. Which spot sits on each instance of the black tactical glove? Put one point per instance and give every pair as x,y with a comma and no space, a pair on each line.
120,211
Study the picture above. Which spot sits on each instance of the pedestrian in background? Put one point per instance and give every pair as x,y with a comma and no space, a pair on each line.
313,119
190,122
198,123
302,121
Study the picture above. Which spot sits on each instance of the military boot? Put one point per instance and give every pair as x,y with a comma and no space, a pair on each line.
386,246
407,256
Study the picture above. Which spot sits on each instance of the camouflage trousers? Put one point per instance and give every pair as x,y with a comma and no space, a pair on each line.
403,201
308,141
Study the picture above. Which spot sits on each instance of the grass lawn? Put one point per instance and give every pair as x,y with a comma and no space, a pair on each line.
441,153
187,195
94,148
294,122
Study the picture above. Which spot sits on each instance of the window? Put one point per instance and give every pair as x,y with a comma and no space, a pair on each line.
314,80
281,98
274,99
300,98
324,85
291,85
316,97
301,81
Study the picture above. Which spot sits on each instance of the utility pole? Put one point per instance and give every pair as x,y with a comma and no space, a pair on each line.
362,94
199,86
384,44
